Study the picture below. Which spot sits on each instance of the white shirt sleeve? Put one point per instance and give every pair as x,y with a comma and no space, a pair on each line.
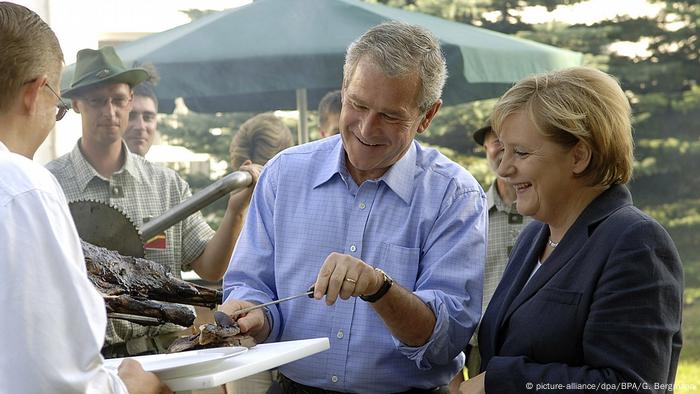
53,318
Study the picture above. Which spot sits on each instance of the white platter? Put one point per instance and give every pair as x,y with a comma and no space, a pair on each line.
168,366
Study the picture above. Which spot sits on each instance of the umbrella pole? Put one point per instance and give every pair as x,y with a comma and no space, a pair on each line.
302,126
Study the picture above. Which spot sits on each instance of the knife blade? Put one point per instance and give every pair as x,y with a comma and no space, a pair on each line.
308,293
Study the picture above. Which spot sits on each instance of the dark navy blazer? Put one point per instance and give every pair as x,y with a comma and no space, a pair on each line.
604,308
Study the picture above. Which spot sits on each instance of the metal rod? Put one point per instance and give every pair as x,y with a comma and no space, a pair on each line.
302,122
199,200
136,318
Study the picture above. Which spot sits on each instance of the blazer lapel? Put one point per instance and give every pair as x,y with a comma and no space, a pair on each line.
574,239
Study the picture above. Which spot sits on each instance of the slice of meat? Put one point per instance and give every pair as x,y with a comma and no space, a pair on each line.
225,333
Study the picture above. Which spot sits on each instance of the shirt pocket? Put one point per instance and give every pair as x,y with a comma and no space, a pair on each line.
400,263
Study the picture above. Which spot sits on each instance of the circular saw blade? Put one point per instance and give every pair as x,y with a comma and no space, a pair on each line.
105,225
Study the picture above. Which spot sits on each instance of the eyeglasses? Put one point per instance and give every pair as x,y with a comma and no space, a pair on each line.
61,107
99,102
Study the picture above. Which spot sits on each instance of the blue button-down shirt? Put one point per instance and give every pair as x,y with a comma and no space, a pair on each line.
423,222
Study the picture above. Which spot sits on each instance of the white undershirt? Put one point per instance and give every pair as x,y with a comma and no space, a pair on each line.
537,267
53,318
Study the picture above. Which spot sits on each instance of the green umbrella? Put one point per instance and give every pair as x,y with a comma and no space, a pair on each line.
285,54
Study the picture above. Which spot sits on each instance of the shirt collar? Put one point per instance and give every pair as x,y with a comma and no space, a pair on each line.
85,172
3,148
494,200
334,165
401,175
399,178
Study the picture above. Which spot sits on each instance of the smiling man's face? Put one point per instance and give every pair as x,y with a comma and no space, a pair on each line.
379,119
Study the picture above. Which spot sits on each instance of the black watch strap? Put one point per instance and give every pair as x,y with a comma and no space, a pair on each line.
382,290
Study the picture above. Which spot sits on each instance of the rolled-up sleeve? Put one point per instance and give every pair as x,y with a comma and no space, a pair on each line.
450,278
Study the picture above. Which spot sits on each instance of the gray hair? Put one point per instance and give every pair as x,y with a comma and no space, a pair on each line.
400,49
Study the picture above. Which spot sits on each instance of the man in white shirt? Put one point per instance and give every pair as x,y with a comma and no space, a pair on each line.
55,317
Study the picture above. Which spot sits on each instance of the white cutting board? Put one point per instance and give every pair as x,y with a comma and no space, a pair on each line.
257,359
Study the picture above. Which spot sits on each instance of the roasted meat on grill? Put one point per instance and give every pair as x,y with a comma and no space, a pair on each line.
132,285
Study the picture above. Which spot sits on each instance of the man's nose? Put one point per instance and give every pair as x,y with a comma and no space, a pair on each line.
108,108
369,124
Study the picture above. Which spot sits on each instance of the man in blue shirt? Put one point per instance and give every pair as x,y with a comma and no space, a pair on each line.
395,230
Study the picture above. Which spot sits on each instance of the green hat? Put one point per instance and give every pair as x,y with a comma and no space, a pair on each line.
102,66
480,134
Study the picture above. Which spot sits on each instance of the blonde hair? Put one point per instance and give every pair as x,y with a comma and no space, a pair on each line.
259,139
29,49
577,104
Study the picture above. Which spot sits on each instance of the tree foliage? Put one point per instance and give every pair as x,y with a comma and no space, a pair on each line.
661,83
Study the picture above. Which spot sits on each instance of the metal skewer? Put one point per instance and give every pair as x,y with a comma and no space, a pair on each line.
309,293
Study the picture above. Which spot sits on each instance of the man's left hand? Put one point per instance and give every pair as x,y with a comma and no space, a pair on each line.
345,276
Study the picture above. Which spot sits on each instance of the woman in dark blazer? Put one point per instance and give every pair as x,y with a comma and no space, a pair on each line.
591,297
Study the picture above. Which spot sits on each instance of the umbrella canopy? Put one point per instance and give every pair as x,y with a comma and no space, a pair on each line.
260,56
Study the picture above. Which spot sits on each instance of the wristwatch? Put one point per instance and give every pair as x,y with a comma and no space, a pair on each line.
382,290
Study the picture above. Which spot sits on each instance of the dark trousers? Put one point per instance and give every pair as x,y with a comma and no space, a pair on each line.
288,386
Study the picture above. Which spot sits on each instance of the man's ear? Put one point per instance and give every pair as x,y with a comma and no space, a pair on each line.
74,105
581,157
429,115
31,94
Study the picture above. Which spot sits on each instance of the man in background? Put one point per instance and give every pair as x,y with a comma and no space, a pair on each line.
329,113
44,289
143,122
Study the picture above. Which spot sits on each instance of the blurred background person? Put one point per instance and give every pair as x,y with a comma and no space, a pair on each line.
505,224
44,287
143,121
329,114
258,140
593,290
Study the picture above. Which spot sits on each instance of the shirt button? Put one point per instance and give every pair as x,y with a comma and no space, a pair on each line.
362,205
334,379
339,335
353,248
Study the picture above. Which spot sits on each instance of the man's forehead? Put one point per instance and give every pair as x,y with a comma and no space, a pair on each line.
107,88
144,104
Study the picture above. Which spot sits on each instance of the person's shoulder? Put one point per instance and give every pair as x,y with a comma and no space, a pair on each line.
59,165
632,218
436,164
21,175
151,170
311,153
314,147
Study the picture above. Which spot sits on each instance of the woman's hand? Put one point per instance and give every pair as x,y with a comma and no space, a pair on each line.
456,381
475,385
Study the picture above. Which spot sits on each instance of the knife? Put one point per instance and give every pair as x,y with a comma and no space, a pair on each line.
308,293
